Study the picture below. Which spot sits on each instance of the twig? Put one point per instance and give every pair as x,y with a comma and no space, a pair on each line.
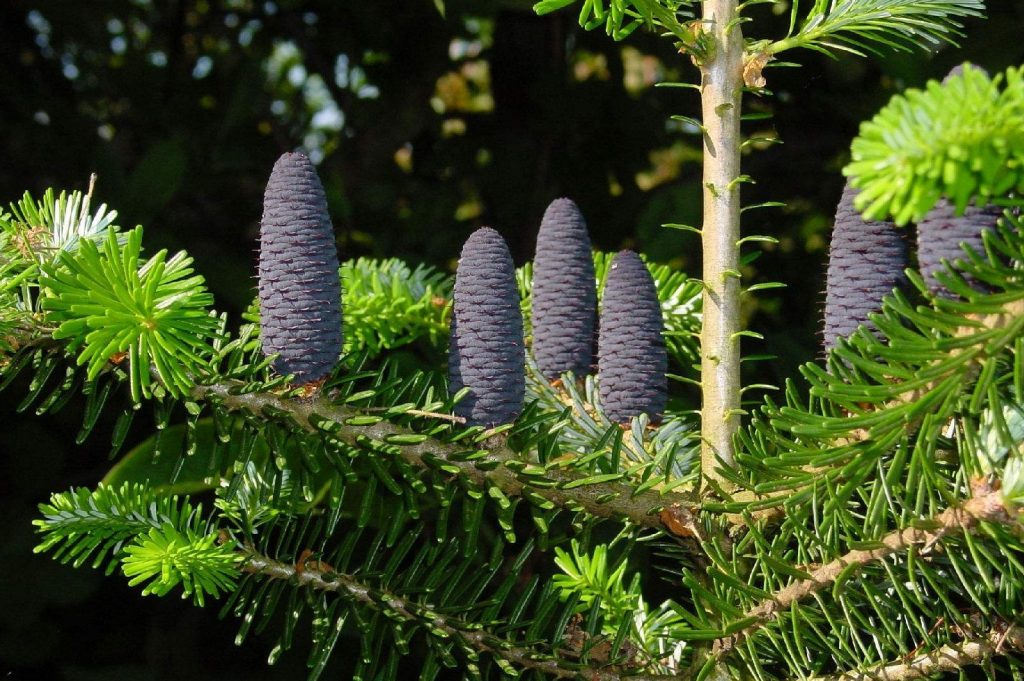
1012,313
425,414
721,102
604,499
986,505
1000,640
314,575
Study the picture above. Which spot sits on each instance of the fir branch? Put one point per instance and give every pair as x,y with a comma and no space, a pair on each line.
979,325
853,25
986,505
317,576
1002,639
562,487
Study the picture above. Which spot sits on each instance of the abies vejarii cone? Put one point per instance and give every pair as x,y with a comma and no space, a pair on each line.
299,287
865,263
564,306
486,352
632,361
941,232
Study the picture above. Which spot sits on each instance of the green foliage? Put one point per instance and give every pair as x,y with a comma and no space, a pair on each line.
621,17
596,584
862,26
35,232
105,303
388,304
160,539
369,512
165,557
899,427
961,139
42,229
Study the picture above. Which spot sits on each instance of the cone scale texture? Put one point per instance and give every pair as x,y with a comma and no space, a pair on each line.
486,353
299,287
632,361
564,305
866,262
941,233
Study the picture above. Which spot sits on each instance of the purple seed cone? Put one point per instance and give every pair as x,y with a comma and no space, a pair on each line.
299,288
486,353
959,69
866,262
941,233
632,362
564,293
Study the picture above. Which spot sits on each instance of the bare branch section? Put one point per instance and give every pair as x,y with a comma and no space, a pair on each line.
721,100
1003,639
985,506
317,575
558,485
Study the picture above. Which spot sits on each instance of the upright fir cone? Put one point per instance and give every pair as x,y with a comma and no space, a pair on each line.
564,293
866,261
632,362
941,232
299,288
486,353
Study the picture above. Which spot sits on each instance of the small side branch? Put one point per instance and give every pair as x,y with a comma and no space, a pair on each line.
986,505
606,499
1002,639
312,575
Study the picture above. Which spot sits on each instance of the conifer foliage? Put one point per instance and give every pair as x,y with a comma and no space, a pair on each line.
871,528
299,288
486,351
564,293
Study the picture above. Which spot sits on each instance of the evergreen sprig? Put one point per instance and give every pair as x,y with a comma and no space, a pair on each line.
162,540
42,229
108,305
865,26
961,139
620,18
164,558
389,304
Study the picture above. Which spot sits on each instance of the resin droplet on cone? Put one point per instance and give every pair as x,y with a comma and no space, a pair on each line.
865,263
299,287
486,353
564,299
632,361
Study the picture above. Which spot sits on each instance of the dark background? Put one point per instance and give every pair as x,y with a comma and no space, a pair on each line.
424,128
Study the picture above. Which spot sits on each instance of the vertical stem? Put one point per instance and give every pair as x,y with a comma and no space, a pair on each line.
721,92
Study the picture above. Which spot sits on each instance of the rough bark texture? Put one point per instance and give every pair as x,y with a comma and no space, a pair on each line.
866,262
486,353
299,287
632,359
941,234
564,293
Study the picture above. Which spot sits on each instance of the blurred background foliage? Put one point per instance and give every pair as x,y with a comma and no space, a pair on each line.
424,126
